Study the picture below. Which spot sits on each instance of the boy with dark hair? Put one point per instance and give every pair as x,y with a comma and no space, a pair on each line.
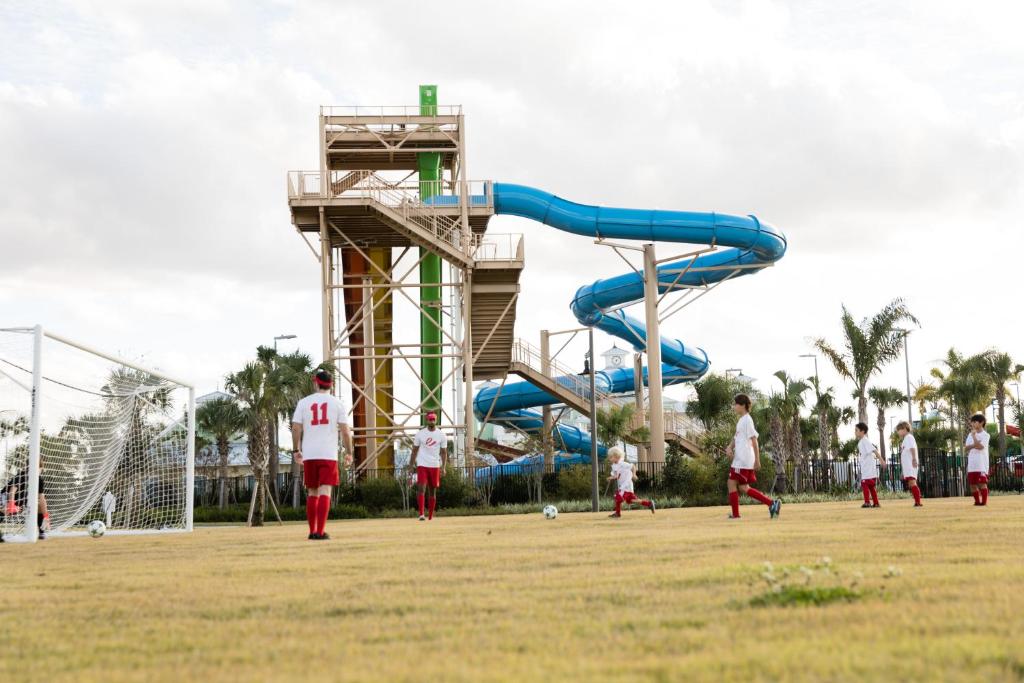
746,460
909,460
977,459
870,462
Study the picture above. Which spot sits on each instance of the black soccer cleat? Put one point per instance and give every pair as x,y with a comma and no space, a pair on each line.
615,515
323,537
312,536
775,508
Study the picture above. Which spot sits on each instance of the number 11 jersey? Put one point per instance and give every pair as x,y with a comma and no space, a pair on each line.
320,414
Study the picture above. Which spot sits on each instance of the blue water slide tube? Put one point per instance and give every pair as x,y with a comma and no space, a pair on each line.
745,246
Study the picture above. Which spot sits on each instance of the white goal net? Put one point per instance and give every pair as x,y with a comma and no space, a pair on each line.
86,436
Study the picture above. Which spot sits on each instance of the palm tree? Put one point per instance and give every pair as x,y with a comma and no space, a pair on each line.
616,423
787,434
884,398
824,401
222,419
868,346
999,369
249,385
714,396
925,393
964,387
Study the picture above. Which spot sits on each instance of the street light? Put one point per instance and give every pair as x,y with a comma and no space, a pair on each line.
282,336
906,360
815,357
738,371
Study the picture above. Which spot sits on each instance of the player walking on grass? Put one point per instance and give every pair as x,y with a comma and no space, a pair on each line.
977,459
429,447
909,460
746,460
625,475
316,424
870,462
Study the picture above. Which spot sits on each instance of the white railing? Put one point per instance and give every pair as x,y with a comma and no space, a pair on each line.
526,354
498,247
408,111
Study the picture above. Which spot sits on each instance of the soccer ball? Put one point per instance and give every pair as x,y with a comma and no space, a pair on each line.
97,528
550,511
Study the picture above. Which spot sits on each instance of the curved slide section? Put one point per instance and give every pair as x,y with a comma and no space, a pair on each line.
749,245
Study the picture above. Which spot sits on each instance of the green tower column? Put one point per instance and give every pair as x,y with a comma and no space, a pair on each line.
430,271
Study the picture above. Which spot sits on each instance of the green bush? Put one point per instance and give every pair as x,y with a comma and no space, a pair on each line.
456,490
380,493
574,482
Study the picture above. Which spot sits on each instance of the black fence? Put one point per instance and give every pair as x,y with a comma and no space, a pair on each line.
940,475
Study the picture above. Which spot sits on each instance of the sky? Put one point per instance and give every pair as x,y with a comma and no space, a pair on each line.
145,145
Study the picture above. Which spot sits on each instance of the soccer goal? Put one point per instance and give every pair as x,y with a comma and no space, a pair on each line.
99,437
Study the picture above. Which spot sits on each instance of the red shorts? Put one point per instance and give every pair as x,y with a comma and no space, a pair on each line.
625,496
869,482
429,476
977,478
742,476
909,478
320,473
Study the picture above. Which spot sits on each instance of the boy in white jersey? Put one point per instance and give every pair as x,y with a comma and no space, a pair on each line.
977,459
909,460
429,448
746,460
870,462
625,475
316,423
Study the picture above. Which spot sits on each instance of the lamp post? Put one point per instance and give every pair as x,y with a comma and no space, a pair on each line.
815,357
738,371
906,361
595,501
282,336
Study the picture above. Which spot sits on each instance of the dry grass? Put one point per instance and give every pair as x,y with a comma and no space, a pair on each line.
519,598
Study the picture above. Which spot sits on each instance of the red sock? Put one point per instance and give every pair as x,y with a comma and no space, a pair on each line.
645,503
734,501
323,507
433,504
420,499
977,496
874,494
311,508
618,503
865,489
758,496
984,496
917,494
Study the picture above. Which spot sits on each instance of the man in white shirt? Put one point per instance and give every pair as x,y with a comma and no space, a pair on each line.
624,475
977,459
909,460
746,460
429,450
316,424
870,461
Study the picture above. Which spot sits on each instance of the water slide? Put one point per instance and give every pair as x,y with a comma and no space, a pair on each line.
745,245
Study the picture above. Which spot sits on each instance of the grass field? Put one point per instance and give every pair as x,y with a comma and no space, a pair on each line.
519,598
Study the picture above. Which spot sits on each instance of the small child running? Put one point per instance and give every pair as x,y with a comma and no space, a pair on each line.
623,473
746,460
977,459
909,460
870,462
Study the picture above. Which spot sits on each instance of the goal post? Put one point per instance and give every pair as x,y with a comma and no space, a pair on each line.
94,437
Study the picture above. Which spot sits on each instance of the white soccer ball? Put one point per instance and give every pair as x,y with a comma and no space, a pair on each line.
550,511
97,528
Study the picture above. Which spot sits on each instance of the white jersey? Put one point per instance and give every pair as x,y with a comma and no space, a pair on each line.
320,414
623,473
868,462
977,460
743,453
907,458
429,444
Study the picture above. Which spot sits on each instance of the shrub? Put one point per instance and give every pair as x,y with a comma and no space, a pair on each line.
574,482
379,493
455,491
